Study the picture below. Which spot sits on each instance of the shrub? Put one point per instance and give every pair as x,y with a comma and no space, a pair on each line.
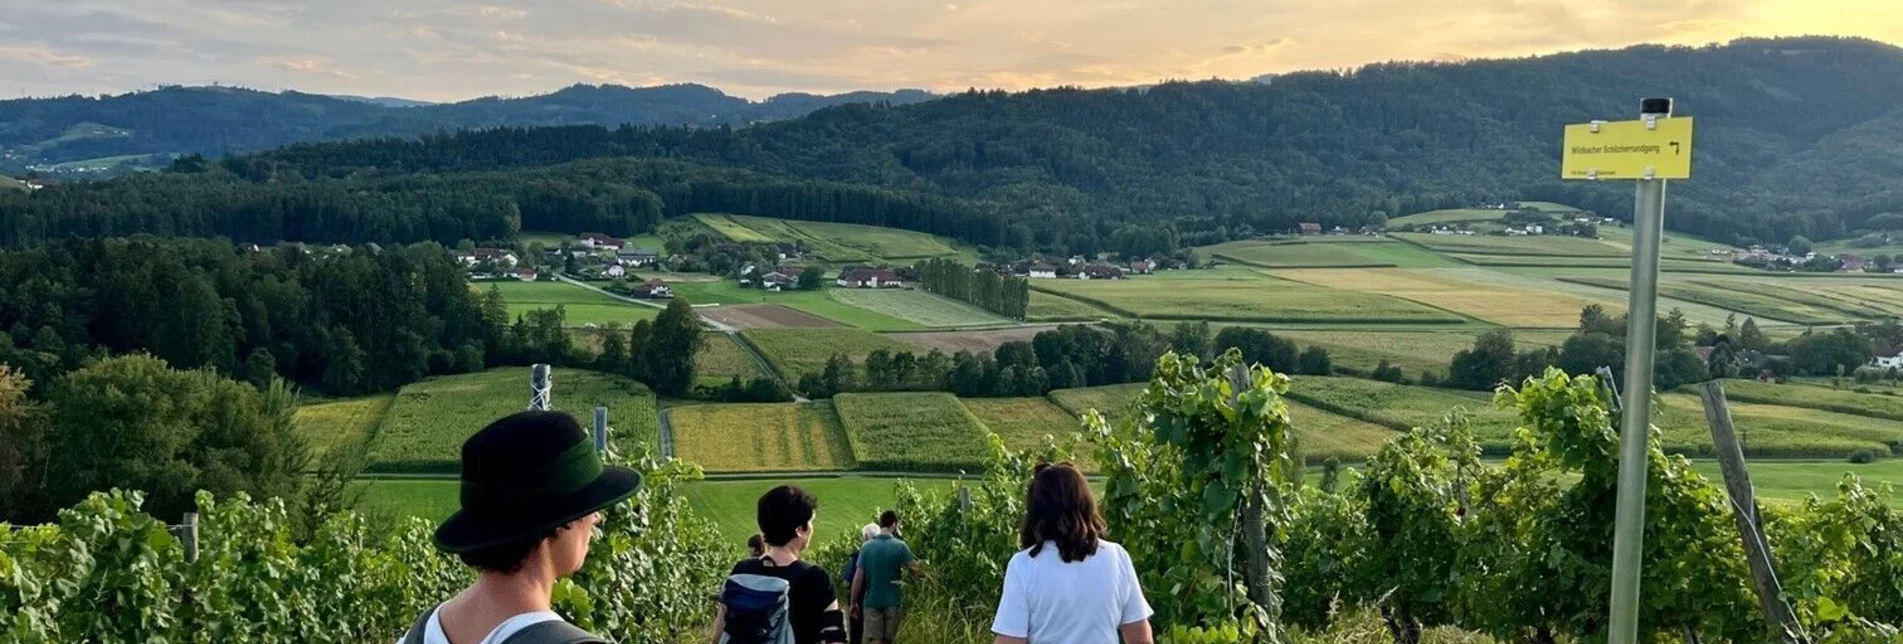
1863,457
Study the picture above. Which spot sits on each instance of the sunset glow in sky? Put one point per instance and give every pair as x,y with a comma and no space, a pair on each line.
452,50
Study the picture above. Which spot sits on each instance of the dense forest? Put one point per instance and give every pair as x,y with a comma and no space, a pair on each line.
1796,137
221,120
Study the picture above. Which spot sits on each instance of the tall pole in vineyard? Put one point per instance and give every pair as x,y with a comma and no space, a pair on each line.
1650,150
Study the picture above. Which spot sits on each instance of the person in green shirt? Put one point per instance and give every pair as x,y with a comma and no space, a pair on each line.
875,589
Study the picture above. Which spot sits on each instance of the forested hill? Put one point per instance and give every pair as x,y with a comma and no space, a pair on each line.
1795,136
219,120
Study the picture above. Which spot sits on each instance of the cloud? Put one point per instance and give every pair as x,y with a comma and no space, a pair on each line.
43,57
307,65
492,11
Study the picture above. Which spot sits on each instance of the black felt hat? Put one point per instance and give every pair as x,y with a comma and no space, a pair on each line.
524,476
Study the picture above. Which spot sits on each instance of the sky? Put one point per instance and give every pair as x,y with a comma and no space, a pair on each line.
445,50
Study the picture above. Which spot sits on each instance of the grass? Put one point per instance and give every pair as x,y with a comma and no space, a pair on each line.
1752,298
1236,295
428,499
770,437
1365,251
1047,307
912,432
833,242
331,424
918,307
1668,264
1027,423
720,356
794,352
1503,245
820,303
1846,401
1503,304
581,305
426,425
1776,431
550,240
1320,434
1402,407
1793,481
845,503
1115,402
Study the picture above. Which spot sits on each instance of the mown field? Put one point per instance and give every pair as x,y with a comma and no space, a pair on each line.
820,303
580,305
1503,245
1047,307
1403,406
721,358
1756,298
1668,265
1348,251
1240,295
1319,432
1413,351
424,428
929,432
832,242
917,307
794,352
1776,431
765,437
331,424
1501,304
1790,482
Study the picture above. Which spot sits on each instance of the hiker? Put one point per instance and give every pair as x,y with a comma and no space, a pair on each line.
533,488
776,598
756,545
1068,585
880,562
856,621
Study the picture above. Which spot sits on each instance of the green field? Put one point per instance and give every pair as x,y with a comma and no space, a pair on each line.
581,305
429,499
769,437
721,357
930,432
1751,298
328,425
546,239
1046,307
426,425
1027,423
1362,251
1413,351
1793,481
10,183
1115,402
795,352
820,303
1503,245
1238,295
1668,265
832,242
845,503
1402,406
1320,434
1775,431
918,307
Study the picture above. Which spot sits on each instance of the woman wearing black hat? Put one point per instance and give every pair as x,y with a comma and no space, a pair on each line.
532,491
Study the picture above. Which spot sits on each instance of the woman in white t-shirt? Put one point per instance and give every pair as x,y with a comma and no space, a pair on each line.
1068,585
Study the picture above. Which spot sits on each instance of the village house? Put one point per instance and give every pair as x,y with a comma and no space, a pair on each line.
1535,229
1142,267
500,256
1041,270
863,277
1853,263
525,274
654,288
600,241
1311,228
780,279
635,257
1099,272
615,270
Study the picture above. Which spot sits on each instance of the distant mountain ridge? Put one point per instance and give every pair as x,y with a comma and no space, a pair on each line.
219,120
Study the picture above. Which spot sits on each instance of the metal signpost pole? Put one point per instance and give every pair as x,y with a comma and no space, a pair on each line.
1648,222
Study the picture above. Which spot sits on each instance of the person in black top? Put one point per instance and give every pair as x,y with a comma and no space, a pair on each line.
786,515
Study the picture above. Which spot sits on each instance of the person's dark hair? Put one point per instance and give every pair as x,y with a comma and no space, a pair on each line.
756,544
783,511
888,519
507,557
1061,509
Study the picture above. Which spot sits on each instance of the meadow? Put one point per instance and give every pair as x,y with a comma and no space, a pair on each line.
918,307
1504,245
820,303
1776,431
425,427
924,432
1360,351
1501,304
1401,407
1047,307
1238,295
580,306
1028,423
1117,403
1751,298
795,352
720,357
1320,434
762,437
332,424
833,242
1348,252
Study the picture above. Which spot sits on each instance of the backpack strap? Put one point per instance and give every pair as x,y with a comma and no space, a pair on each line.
415,636
554,631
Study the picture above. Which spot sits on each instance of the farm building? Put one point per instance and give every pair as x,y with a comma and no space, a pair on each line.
863,277
524,274
1853,263
1142,267
615,270
654,288
635,257
600,241
500,256
1311,228
1100,272
783,278
1888,359
1042,270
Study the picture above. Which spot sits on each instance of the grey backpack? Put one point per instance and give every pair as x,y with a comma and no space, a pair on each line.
551,632
757,609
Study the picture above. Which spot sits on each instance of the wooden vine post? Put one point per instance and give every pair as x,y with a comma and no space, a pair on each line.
1255,529
1744,506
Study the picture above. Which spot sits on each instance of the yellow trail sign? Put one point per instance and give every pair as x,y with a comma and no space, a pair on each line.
1627,149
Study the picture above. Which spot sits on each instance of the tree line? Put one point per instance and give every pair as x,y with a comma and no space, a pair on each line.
1067,357
989,290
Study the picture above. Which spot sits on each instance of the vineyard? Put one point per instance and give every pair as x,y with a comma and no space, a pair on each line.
1203,487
